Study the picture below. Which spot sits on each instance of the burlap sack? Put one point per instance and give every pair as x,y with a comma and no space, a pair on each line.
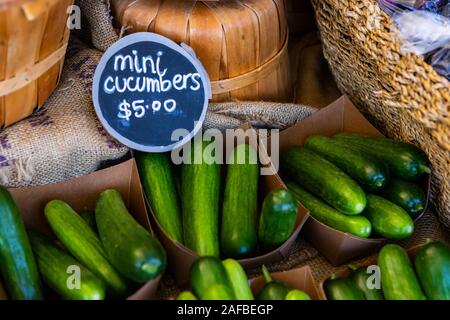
63,139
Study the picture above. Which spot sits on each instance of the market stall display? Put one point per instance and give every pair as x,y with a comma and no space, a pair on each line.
132,269
417,274
85,217
340,183
259,220
399,92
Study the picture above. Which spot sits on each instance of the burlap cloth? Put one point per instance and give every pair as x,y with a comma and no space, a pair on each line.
65,140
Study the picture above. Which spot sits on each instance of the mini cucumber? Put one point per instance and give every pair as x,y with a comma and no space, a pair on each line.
238,280
342,289
81,241
160,188
55,267
297,295
323,179
209,280
272,290
200,202
17,264
388,219
278,217
356,225
405,161
398,279
186,295
130,248
361,279
367,170
433,270
239,232
407,195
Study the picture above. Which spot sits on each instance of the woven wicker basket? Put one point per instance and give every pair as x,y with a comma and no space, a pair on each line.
241,43
33,41
400,93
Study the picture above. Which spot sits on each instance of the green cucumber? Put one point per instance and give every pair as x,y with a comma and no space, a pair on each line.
89,217
278,217
81,241
388,220
17,264
433,270
55,268
319,210
342,289
398,279
200,202
407,195
272,290
238,280
405,161
361,278
160,188
130,248
239,232
297,295
323,179
209,280
186,295
371,173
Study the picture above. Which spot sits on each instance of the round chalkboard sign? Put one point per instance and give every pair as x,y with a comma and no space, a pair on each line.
150,93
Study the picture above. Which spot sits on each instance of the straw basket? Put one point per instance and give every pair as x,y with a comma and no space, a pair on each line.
33,41
401,93
241,43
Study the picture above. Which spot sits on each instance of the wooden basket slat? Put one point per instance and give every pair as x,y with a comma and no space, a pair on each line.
54,36
242,37
28,36
172,19
205,27
140,14
3,53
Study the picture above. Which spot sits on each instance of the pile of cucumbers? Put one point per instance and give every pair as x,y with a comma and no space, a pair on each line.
213,279
395,277
105,254
215,219
358,184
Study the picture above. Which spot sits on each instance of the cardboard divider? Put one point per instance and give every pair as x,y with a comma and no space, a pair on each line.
82,194
340,116
345,272
181,258
300,279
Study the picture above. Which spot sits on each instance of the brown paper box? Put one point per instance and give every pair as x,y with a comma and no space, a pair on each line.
82,194
345,272
340,116
300,279
181,258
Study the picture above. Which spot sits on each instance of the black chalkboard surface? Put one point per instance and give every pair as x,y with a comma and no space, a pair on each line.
150,93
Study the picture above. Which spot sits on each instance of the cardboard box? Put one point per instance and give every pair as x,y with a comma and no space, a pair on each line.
181,258
345,272
300,279
341,116
82,194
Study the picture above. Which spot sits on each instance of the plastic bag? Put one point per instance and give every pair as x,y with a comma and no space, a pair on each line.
422,31
440,60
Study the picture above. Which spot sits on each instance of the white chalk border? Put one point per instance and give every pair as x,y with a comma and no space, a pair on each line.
183,49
